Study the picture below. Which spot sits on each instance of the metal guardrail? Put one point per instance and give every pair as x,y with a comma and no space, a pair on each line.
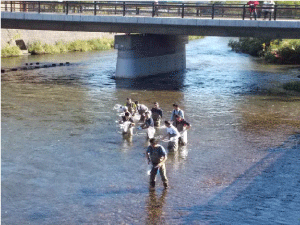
154,9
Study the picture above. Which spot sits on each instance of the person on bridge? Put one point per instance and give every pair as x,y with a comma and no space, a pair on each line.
268,8
252,8
141,109
176,111
157,155
182,127
157,114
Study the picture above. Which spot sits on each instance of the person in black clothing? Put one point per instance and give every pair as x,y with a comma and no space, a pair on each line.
157,114
126,118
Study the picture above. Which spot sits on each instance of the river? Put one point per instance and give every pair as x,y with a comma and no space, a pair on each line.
64,160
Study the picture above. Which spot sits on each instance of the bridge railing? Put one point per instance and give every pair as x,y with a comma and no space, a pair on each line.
150,9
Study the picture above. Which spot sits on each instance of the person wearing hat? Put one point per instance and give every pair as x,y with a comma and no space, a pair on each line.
157,114
157,155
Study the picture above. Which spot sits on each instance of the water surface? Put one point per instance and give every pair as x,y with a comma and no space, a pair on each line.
65,162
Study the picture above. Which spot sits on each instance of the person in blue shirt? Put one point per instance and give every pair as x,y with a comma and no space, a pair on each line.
157,155
176,111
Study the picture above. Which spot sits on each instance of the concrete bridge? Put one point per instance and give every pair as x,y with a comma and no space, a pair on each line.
158,45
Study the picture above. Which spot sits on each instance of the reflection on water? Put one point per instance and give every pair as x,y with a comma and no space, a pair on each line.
155,207
169,81
65,162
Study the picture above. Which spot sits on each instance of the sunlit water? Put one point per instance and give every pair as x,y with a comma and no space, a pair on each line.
64,160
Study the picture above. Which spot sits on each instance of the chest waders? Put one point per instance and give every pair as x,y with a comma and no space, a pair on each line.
182,140
142,113
173,143
127,128
150,132
156,118
155,159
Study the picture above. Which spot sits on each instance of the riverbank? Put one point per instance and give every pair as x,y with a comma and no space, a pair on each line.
272,51
15,42
38,48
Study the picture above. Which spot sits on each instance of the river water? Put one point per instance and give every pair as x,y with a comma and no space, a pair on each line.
64,160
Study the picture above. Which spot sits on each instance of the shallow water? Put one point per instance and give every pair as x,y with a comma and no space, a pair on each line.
65,162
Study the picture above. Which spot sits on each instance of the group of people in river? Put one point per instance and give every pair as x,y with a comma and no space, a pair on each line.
176,132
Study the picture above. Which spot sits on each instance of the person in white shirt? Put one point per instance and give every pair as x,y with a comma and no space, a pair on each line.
268,8
173,135
141,109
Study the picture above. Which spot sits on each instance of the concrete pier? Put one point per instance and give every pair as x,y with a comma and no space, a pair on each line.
143,55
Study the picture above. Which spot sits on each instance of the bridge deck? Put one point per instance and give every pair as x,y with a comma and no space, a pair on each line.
138,24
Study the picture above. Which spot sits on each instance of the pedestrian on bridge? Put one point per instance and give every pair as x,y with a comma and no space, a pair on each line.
268,8
252,8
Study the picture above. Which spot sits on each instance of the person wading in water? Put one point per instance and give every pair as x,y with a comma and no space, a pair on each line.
182,127
157,114
149,125
173,135
141,109
131,106
176,111
127,124
156,154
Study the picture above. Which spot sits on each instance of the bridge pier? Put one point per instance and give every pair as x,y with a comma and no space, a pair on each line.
142,55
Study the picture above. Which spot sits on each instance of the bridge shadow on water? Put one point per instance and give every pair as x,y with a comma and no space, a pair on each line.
267,193
166,81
